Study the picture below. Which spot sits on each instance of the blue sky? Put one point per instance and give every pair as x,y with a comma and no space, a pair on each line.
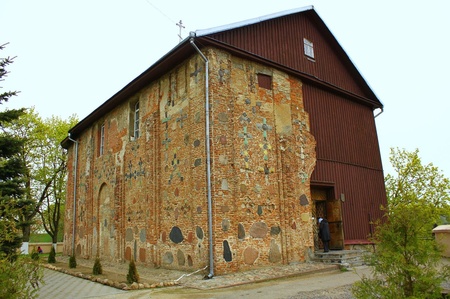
74,55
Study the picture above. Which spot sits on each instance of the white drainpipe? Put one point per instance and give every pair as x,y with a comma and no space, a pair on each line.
208,158
74,193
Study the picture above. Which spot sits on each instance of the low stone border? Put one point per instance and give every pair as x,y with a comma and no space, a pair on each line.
114,284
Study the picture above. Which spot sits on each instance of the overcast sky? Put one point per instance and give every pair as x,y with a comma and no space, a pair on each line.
74,55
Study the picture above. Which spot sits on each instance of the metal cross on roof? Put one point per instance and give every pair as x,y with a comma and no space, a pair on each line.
180,24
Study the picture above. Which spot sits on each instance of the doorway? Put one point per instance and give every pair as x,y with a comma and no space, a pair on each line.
331,209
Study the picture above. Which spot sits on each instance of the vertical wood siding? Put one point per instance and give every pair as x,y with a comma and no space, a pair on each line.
347,144
281,40
347,155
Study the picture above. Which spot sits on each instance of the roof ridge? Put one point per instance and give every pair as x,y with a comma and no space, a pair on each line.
203,32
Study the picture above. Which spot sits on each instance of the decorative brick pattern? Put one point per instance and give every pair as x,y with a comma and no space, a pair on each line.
146,198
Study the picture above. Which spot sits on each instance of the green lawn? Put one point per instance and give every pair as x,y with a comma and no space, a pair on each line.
40,238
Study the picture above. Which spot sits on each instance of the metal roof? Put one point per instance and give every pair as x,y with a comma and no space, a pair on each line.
203,32
184,49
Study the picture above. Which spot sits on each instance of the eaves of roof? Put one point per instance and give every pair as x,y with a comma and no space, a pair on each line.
184,49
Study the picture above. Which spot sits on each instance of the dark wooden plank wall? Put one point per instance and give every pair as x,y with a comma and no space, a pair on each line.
348,155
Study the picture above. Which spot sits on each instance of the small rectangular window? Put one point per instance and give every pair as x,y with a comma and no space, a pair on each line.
309,48
102,139
136,120
265,81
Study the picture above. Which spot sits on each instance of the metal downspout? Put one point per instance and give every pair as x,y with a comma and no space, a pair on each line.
74,193
208,160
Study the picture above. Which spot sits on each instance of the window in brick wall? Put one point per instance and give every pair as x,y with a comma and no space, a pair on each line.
134,120
265,81
101,137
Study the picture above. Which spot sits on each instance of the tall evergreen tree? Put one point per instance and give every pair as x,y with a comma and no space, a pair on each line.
12,171
19,278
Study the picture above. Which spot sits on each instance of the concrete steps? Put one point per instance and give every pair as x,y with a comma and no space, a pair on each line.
344,258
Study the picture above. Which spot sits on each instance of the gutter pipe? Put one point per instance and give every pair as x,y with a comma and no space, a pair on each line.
74,192
208,157
379,113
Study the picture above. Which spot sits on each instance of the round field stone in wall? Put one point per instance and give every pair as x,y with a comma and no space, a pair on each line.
223,117
227,252
303,200
180,257
199,232
196,143
275,230
250,255
274,252
241,231
258,230
167,258
225,225
143,235
199,210
198,162
175,235
129,235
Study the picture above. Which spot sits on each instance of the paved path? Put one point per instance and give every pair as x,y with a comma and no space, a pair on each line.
63,286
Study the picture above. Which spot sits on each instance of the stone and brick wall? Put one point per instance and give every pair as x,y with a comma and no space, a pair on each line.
146,197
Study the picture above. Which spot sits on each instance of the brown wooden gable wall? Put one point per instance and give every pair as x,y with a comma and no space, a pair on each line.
345,131
281,40
348,157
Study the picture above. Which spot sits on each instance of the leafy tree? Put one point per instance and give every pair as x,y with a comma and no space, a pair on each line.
19,277
46,170
406,261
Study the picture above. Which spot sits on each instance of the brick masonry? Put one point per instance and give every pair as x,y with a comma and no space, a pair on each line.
146,197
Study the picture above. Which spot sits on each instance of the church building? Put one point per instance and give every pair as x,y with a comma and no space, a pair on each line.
225,152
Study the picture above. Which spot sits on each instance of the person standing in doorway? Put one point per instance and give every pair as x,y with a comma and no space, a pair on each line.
324,234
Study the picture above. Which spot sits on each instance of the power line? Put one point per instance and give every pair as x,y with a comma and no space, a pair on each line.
179,24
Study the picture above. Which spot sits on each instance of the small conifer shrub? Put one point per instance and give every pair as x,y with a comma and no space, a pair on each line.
72,262
97,269
132,275
52,256
34,255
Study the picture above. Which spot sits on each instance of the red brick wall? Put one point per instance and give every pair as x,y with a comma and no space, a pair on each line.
147,198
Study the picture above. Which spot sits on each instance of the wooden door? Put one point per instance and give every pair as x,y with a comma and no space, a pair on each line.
334,217
331,210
